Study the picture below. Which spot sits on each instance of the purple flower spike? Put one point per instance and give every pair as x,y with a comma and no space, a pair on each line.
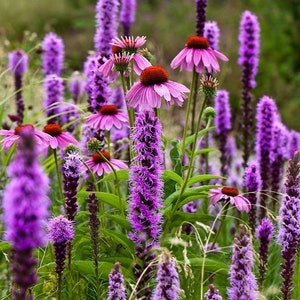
212,294
264,234
146,192
106,25
294,143
53,54
25,212
76,86
200,16
289,225
168,286
212,33
242,280
53,97
116,288
266,117
127,15
252,185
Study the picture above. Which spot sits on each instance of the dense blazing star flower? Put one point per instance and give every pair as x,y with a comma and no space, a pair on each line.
76,85
212,33
70,116
118,62
200,16
131,45
59,139
116,288
232,195
17,62
155,84
11,136
197,54
53,54
212,294
99,165
127,15
108,117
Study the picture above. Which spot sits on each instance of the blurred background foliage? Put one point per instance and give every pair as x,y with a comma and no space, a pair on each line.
167,24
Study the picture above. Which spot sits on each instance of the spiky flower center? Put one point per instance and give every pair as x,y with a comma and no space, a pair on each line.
97,158
109,110
116,49
154,75
53,129
197,42
230,191
19,128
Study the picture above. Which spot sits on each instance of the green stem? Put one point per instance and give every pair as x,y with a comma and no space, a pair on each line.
58,175
297,275
195,96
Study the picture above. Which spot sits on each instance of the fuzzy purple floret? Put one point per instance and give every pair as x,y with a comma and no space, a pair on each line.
60,230
212,294
212,33
18,62
294,143
53,54
242,280
249,48
168,285
127,15
70,116
106,25
116,288
200,16
53,97
76,86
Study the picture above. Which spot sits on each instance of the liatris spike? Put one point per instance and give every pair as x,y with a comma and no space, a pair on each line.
116,288
76,86
252,184
146,193
168,285
53,54
264,234
18,64
127,15
71,172
242,280
212,294
294,143
289,225
106,25
200,16
248,59
266,115
24,216
223,126
212,33
53,97
70,116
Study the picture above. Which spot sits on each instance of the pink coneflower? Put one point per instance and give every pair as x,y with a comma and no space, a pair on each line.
99,165
108,117
230,194
198,54
118,62
11,136
58,138
129,44
155,84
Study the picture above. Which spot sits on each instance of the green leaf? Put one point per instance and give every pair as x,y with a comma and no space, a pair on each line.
180,217
211,265
120,220
173,176
122,175
190,139
203,177
118,238
4,246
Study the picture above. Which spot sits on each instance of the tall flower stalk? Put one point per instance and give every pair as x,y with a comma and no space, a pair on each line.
25,206
127,15
116,288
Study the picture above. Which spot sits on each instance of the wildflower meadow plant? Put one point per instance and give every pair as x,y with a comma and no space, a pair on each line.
143,176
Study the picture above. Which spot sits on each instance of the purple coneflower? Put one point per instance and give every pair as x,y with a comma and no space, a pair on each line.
127,15
59,138
229,194
53,54
129,44
242,280
197,54
168,285
108,117
155,84
116,288
212,33
11,136
98,164
212,294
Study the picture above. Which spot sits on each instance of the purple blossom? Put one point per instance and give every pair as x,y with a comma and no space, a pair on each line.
18,62
106,25
25,212
200,16
289,225
76,86
53,54
168,285
264,234
212,294
212,33
127,15
116,288
252,185
70,116
146,192
53,97
266,116
242,280
117,98
294,143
